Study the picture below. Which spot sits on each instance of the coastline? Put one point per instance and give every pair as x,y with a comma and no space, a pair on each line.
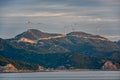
75,70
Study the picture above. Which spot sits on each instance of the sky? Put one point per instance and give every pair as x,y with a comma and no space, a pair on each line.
98,17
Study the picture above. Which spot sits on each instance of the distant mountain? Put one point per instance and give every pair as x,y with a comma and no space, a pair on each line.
73,50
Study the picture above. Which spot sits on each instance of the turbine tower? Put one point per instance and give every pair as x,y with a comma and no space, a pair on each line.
65,27
74,27
97,27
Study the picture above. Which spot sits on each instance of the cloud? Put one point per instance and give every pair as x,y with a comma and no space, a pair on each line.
97,8
103,20
14,13
43,14
112,2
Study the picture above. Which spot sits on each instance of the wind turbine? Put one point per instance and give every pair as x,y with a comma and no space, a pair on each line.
74,27
98,29
98,26
32,23
65,27
29,23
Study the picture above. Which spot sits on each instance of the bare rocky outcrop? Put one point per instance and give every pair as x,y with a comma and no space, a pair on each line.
9,68
108,65
40,68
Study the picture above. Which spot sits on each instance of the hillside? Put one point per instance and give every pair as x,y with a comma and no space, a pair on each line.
20,65
73,50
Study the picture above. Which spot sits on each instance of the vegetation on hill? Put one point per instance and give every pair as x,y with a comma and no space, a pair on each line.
75,50
20,65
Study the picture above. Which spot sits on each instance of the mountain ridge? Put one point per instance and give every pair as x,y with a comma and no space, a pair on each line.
34,34
79,42
53,50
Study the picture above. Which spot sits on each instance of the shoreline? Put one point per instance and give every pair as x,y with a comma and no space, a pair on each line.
57,71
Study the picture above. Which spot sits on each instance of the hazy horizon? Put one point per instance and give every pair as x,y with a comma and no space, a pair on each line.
97,17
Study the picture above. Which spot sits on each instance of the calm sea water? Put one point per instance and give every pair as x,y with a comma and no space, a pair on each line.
81,75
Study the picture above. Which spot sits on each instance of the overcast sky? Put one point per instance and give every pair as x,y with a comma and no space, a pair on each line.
98,17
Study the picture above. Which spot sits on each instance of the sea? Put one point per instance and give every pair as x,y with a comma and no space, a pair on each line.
63,75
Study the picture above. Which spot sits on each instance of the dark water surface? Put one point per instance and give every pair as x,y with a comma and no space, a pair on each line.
81,75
